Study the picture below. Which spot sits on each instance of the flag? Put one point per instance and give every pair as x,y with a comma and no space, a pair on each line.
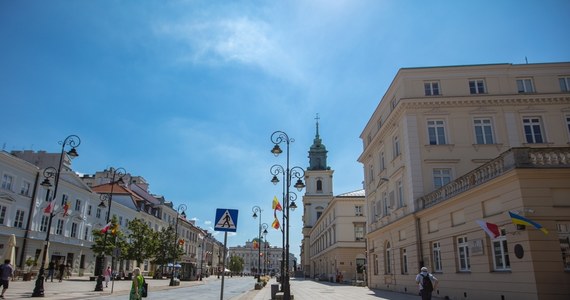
275,223
255,245
66,209
49,208
115,229
491,229
106,228
520,220
276,205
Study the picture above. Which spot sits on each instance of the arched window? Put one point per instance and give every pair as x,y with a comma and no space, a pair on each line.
319,185
388,265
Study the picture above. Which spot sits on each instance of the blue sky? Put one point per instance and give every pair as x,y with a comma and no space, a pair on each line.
187,93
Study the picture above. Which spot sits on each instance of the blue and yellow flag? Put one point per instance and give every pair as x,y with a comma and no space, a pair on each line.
520,220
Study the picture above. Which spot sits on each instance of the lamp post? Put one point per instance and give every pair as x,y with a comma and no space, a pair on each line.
117,178
256,209
290,174
264,226
201,255
73,141
181,211
276,170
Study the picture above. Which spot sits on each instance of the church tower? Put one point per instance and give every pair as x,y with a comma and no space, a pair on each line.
318,192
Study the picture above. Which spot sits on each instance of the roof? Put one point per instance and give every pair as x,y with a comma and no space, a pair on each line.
357,193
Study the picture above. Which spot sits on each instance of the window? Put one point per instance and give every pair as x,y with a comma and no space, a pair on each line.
436,253
463,253
64,199
436,132
525,85
44,223
441,177
358,210
378,208
359,232
384,204
477,86
533,130
25,190
388,267
2,214
404,256
319,185
483,131
564,84
73,230
86,233
59,227
77,205
564,238
19,220
121,220
431,88
370,173
89,208
319,214
501,253
375,264
7,182
400,193
98,213
383,162
396,143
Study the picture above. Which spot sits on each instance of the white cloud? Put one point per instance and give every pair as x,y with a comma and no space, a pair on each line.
242,40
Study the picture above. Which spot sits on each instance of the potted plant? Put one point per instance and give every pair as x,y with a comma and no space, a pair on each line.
30,262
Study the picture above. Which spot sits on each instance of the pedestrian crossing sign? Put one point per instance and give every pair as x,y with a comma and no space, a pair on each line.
226,220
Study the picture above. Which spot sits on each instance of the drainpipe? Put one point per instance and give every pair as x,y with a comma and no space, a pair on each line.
29,223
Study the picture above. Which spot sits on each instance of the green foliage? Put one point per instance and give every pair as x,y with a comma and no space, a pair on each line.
141,241
167,247
106,242
236,264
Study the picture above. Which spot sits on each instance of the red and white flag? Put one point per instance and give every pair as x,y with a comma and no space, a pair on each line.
106,228
491,229
49,208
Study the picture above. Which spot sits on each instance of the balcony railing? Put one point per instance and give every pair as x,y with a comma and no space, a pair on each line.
558,157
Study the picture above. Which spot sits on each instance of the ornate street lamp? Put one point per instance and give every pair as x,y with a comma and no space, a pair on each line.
50,172
264,233
256,209
181,211
290,174
117,178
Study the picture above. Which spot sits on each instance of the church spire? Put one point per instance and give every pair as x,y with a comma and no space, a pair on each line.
318,152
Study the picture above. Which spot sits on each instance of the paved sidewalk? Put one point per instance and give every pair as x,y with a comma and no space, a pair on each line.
82,288
315,290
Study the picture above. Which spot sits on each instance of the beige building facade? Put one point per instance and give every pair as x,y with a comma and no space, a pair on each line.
333,246
337,250
448,146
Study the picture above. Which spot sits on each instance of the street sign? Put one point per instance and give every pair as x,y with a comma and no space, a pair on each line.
226,220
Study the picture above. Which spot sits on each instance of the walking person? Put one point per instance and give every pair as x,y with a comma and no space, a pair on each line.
6,272
427,283
51,270
107,276
137,286
61,270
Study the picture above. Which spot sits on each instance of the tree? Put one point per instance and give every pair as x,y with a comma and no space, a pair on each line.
141,241
236,264
115,238
168,246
